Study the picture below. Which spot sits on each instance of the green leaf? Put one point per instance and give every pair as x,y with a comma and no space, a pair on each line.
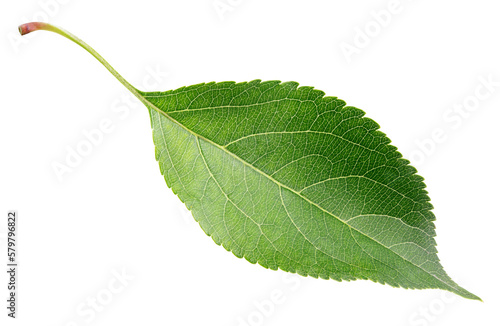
290,179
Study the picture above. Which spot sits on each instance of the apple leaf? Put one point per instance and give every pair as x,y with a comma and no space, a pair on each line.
291,179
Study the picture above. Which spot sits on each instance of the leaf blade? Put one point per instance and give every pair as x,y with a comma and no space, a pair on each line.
383,264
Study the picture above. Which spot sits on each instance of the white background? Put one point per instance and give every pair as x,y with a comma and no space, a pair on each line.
114,214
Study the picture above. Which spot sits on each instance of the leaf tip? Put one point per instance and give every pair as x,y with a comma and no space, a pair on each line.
466,294
475,297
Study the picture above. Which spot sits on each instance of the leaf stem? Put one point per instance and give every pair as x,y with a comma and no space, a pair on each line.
36,26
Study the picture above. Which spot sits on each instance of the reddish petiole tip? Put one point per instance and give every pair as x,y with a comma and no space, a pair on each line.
33,26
